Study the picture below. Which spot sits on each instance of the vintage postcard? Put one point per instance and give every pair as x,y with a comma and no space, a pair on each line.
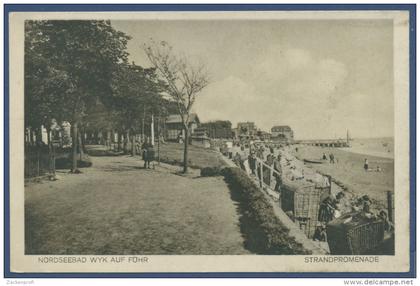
209,142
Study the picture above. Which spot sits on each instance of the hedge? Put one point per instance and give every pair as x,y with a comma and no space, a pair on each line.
67,163
211,172
264,233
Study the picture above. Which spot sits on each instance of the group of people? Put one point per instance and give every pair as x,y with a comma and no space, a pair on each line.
367,169
329,208
331,157
247,160
332,206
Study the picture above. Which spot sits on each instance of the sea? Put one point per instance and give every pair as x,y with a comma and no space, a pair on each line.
379,147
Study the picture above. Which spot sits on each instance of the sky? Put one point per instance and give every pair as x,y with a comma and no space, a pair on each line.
320,77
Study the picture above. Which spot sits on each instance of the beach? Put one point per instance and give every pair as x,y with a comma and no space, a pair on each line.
350,172
377,147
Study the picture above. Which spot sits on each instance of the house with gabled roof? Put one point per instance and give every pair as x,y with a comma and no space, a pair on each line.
174,130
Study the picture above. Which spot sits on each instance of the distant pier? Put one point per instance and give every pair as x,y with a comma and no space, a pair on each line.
337,143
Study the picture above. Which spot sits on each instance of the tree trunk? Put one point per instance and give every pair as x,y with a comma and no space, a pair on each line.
119,141
74,147
96,138
158,142
133,149
51,153
38,135
50,165
164,130
38,172
80,144
142,124
31,137
108,139
83,141
186,139
126,142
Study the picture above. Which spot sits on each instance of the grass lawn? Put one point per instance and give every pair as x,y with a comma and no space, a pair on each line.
198,157
116,207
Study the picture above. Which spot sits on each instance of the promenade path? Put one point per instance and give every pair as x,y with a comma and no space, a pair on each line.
116,207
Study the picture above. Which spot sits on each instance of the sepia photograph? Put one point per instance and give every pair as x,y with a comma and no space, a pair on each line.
226,135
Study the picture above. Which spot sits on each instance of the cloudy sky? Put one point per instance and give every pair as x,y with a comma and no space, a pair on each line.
319,77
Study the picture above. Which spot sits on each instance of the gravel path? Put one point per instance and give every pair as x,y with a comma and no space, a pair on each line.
117,207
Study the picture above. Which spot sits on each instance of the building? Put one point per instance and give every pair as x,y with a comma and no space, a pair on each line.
200,137
218,129
246,130
174,129
264,136
60,134
235,133
282,133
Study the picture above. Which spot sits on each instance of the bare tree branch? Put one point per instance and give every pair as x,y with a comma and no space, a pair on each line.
184,81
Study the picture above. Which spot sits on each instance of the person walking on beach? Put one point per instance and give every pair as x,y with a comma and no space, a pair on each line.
366,165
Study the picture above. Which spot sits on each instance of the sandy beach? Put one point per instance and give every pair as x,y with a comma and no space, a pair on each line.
349,170
376,147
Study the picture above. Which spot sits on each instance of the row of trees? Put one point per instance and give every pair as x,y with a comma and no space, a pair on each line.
75,68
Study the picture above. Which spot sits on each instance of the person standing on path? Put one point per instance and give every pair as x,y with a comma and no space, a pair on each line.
150,155
366,165
144,152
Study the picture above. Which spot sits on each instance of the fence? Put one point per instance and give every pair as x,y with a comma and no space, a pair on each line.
267,177
300,199
38,162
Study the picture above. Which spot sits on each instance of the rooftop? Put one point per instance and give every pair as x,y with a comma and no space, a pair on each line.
176,118
281,128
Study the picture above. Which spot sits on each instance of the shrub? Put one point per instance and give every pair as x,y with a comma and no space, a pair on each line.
66,163
100,152
211,171
263,231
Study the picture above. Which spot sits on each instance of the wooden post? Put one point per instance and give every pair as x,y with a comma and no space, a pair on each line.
329,182
261,174
158,138
270,177
390,202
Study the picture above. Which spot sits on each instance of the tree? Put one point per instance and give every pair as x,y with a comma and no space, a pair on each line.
80,58
183,82
44,87
135,91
